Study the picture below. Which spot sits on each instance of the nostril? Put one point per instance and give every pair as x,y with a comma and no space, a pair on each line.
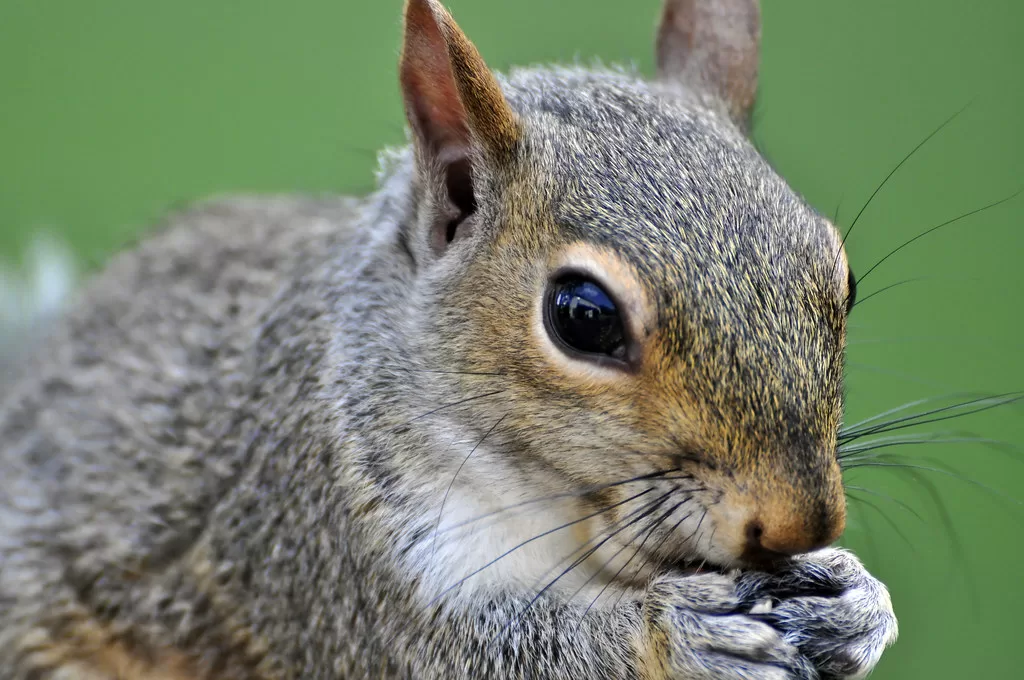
775,531
755,530
757,552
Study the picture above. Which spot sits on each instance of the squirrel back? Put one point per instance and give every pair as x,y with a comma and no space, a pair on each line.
580,319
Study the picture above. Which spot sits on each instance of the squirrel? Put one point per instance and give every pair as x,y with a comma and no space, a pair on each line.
559,399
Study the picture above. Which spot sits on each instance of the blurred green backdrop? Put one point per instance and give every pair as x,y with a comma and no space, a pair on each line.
113,110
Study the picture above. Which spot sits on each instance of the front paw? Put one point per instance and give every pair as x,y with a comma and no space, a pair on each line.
695,630
828,606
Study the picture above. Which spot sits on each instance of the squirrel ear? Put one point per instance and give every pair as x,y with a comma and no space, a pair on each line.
451,97
713,45
452,100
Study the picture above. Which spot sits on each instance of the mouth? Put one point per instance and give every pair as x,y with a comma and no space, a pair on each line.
691,567
763,561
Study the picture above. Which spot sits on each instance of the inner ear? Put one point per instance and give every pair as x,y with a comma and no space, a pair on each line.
461,200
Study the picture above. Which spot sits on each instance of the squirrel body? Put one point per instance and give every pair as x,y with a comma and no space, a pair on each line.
297,437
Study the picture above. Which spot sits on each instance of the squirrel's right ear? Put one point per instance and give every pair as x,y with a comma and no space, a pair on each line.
455,108
713,45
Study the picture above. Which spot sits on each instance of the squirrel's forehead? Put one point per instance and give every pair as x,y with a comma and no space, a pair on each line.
715,209
667,182
662,169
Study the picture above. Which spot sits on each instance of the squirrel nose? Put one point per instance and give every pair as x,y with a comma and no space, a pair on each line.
767,543
761,549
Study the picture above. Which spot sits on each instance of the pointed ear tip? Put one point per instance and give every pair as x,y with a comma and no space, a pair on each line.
422,9
416,13
417,5
428,16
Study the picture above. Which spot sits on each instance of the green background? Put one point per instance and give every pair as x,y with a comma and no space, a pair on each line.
113,110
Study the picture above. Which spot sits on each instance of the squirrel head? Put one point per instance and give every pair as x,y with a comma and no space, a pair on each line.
647,293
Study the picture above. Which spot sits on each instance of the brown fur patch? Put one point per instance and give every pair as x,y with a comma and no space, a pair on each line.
118,662
652,650
92,651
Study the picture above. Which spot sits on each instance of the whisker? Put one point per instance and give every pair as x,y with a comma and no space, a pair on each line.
959,551
869,537
905,425
903,407
892,172
625,546
936,470
699,524
835,213
452,483
650,532
909,508
851,452
450,405
898,284
584,547
575,564
659,474
661,558
909,421
904,282
488,374
888,520
940,226
537,537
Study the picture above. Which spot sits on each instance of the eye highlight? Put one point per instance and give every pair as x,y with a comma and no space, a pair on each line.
583,318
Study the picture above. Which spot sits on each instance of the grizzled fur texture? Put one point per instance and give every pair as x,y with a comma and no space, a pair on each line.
321,438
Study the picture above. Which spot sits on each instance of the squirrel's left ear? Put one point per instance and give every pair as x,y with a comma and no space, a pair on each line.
457,113
713,45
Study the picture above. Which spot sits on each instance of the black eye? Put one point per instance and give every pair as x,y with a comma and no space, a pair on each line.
851,297
583,317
